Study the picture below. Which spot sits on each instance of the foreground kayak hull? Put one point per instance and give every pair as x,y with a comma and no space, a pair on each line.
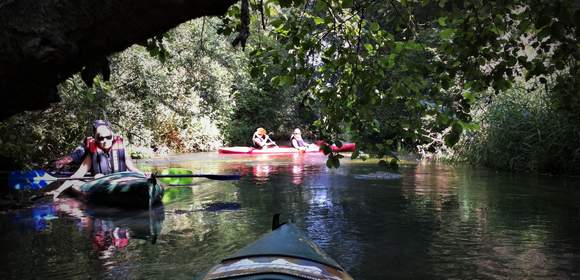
285,253
346,147
123,189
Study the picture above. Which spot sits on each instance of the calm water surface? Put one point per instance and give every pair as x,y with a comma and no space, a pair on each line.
437,222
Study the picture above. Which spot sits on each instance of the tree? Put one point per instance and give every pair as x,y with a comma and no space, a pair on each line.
393,72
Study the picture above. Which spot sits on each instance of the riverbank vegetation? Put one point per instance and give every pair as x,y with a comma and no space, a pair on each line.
523,129
169,99
499,79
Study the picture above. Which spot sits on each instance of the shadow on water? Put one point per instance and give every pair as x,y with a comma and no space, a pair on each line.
435,222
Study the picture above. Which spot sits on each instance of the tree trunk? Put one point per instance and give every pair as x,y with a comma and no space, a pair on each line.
43,42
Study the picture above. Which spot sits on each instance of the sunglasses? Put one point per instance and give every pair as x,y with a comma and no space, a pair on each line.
101,138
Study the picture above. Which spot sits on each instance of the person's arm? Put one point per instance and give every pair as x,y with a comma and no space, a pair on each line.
258,141
85,166
75,157
130,165
270,141
78,154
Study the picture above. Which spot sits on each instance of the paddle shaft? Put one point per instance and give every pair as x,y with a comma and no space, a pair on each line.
72,178
209,176
37,179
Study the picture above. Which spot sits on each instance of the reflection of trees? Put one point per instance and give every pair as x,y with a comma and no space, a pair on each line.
491,226
436,222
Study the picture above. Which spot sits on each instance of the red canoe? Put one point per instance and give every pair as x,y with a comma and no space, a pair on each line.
346,147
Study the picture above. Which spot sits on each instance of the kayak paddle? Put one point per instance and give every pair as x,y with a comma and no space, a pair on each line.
38,179
209,176
181,176
34,179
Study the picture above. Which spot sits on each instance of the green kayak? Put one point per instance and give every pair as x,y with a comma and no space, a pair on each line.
123,189
285,253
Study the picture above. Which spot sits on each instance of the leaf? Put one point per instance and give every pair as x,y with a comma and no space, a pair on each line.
326,149
389,61
318,20
369,47
468,96
442,21
469,126
285,80
447,34
319,7
336,162
277,23
329,163
347,3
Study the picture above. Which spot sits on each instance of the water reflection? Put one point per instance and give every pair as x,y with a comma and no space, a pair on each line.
113,227
496,232
436,222
37,219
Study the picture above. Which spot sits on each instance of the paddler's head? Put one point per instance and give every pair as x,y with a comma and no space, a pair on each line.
261,131
103,134
297,133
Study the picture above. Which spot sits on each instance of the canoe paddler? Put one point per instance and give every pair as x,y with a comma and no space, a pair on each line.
299,143
103,154
261,139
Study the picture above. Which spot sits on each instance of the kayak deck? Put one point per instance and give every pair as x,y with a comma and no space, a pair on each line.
285,253
123,189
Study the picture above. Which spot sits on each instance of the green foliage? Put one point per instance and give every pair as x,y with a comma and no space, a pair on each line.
388,75
35,137
267,98
173,98
395,73
522,130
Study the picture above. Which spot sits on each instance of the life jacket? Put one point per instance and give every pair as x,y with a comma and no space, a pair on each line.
107,162
263,141
299,142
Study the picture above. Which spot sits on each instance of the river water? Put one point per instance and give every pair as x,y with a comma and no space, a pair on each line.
436,222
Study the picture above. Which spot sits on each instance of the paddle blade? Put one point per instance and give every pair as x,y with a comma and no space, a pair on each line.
29,180
176,180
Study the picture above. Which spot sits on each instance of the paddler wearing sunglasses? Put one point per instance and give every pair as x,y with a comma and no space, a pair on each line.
104,154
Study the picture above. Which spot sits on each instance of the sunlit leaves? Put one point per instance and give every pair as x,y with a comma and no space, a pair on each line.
385,71
447,34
